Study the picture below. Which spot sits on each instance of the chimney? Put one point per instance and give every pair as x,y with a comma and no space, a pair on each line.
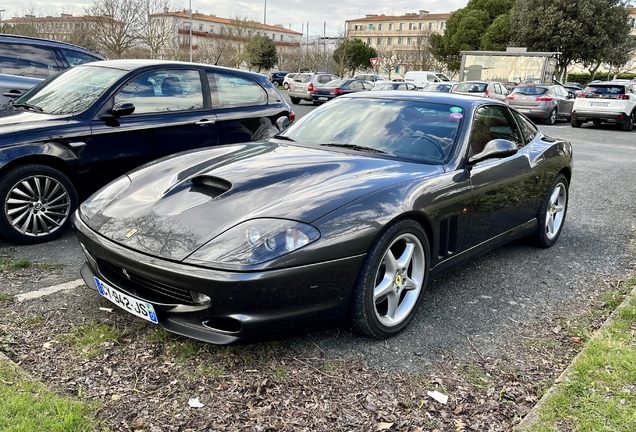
423,13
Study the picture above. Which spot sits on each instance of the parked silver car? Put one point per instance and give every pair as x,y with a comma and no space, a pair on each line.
304,84
489,89
546,101
441,87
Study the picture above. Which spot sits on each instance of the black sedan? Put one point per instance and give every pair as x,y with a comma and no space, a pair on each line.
73,133
329,222
337,88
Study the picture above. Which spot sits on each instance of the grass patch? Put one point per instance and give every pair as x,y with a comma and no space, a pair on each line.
599,393
5,297
475,377
30,406
89,340
185,349
36,320
9,265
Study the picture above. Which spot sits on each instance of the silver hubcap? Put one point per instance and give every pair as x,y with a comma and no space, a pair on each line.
556,211
37,206
399,280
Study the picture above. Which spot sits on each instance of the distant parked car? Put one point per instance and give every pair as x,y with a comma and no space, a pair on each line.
489,89
288,79
303,85
336,88
422,78
369,77
546,102
277,78
444,87
72,134
25,61
606,102
394,85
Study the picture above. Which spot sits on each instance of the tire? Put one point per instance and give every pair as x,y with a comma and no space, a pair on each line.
575,123
552,119
315,103
402,278
295,100
597,122
551,216
275,83
286,86
629,124
37,202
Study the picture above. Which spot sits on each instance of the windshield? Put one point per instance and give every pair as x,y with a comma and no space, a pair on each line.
412,130
471,87
72,91
442,77
606,89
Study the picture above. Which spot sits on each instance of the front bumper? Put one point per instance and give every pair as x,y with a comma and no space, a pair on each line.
603,116
244,306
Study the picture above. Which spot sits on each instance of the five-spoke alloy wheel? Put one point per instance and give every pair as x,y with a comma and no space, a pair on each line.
37,202
391,281
552,213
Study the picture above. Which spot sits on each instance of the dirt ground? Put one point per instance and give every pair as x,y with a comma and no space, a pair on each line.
144,378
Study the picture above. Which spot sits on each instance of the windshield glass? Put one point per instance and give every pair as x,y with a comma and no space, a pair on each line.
72,91
471,87
412,130
442,77
337,83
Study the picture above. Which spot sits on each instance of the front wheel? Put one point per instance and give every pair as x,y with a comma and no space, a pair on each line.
295,100
575,123
37,202
552,213
286,86
552,119
391,281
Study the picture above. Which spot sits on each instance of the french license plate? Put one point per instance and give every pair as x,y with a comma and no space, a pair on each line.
599,104
322,98
129,304
524,110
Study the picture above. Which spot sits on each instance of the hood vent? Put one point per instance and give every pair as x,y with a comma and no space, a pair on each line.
210,185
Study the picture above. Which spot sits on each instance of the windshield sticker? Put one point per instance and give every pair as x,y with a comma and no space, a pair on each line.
456,115
455,110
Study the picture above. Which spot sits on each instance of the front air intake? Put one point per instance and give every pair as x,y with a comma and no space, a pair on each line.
210,185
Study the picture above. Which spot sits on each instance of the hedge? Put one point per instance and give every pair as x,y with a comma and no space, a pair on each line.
584,78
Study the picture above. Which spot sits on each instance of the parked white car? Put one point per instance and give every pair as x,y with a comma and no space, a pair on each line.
288,79
422,78
606,102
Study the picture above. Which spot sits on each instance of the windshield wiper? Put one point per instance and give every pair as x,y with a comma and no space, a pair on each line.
28,106
283,137
354,147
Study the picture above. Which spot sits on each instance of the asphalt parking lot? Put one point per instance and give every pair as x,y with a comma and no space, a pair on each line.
480,306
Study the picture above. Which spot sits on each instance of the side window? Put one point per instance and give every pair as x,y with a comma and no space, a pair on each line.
528,130
497,88
73,58
493,122
324,79
356,85
229,91
401,87
27,60
163,91
431,78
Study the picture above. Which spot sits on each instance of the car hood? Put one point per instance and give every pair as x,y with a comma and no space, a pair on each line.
13,125
181,203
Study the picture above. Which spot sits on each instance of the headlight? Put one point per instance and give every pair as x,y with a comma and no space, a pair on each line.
254,242
104,196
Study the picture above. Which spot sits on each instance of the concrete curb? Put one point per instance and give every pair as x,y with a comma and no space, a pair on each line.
533,416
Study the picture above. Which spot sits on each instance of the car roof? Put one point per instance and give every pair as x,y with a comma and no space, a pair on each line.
9,38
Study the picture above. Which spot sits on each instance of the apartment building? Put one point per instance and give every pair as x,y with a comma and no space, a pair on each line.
50,27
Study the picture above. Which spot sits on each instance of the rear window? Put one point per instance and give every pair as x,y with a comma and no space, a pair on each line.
471,87
303,78
606,89
531,90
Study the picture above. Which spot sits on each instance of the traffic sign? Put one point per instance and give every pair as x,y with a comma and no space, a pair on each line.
374,61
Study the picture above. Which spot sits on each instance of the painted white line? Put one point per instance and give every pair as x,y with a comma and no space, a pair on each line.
50,290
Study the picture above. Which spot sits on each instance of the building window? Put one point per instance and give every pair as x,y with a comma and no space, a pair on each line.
397,69
369,41
411,26
430,26
211,29
200,27
399,41
442,25
378,41
420,26
281,38
370,26
379,27
389,41
274,36
391,26
631,22
401,26
409,41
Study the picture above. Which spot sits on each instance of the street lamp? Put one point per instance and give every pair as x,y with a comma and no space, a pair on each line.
190,31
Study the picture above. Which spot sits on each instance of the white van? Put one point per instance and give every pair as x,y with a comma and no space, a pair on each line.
422,78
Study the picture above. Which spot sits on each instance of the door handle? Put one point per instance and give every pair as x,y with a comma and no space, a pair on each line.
205,122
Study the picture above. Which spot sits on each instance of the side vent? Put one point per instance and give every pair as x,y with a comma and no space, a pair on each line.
210,186
448,236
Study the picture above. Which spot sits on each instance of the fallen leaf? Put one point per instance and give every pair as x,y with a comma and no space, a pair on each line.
459,424
458,409
115,397
576,340
383,426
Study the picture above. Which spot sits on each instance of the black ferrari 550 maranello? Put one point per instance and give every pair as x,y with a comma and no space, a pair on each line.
341,218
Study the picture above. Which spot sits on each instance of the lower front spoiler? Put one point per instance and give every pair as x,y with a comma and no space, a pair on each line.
240,307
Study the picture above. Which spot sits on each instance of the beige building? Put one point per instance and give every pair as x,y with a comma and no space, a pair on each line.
50,27
401,41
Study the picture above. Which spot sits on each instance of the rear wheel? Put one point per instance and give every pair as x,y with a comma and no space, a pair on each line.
286,86
276,83
295,100
391,281
552,118
37,202
629,124
551,216
575,123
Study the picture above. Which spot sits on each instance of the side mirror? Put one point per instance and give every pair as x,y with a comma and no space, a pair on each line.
282,123
12,94
497,148
123,109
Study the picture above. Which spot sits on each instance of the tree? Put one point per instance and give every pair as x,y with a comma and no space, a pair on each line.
261,52
389,59
353,54
579,29
157,24
114,24
497,34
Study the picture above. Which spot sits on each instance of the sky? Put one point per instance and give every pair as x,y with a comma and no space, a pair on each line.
287,12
